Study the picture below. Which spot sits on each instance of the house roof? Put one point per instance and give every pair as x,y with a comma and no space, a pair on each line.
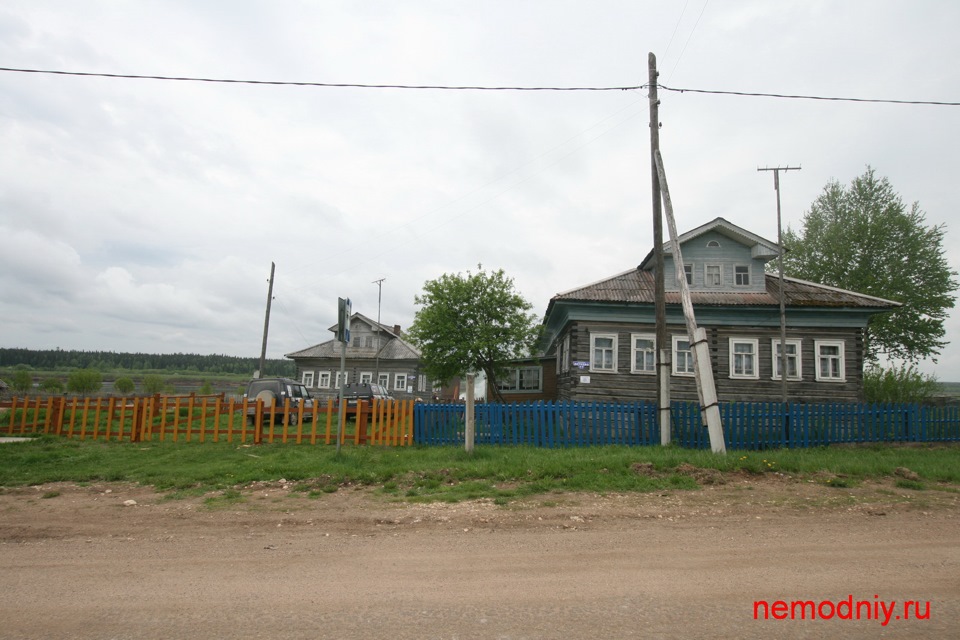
637,286
759,246
393,345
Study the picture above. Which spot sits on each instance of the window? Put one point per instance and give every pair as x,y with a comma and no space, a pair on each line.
400,382
603,352
366,377
743,358
323,379
712,275
644,358
383,380
741,275
793,359
713,244
830,360
307,378
565,363
369,342
688,273
682,356
346,379
421,383
521,380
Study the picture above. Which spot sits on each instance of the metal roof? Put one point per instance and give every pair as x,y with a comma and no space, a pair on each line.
636,286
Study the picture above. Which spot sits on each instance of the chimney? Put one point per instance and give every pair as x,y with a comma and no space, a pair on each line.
396,329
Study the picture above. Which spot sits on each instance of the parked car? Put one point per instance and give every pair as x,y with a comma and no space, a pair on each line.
366,391
274,391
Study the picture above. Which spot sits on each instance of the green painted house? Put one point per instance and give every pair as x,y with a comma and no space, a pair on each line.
602,335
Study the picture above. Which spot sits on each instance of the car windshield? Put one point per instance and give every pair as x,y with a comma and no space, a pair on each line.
297,391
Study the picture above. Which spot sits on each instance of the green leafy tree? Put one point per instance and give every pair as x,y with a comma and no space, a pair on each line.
124,386
152,384
22,382
864,238
206,389
471,323
84,381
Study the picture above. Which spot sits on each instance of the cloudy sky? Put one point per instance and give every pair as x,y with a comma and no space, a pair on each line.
143,215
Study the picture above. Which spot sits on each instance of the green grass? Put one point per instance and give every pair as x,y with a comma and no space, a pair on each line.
442,473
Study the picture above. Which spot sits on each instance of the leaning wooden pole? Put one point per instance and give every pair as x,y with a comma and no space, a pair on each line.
706,388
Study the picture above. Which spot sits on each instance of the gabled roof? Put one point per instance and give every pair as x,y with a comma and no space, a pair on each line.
393,346
373,324
760,247
637,286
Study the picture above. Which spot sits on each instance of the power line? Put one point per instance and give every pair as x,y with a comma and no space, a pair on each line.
351,85
335,85
803,97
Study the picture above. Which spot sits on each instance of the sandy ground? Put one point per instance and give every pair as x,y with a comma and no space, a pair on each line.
120,561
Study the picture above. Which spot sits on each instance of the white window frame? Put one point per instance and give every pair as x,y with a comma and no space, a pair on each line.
840,357
421,383
306,378
323,380
614,348
706,275
383,379
775,358
633,353
737,274
753,355
366,377
676,356
346,379
400,382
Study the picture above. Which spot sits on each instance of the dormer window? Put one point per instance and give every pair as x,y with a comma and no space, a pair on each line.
741,275
712,275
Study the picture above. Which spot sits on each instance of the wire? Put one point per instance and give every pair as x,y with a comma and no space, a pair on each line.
336,85
690,35
481,88
801,97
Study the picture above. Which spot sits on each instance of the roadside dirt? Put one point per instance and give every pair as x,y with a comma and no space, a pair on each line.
123,561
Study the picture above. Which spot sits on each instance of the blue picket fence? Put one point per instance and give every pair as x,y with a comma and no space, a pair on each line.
746,425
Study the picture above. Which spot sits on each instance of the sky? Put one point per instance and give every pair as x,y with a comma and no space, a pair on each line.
143,215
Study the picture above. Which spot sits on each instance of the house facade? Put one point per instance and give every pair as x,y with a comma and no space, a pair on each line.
603,335
376,353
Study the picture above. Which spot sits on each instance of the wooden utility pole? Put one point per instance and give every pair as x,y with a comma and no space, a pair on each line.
379,284
266,324
783,304
470,422
659,294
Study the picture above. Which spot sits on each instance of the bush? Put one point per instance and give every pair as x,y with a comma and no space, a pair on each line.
152,384
124,386
22,382
84,381
51,386
898,384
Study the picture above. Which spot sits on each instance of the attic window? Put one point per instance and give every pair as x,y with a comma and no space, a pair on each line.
713,244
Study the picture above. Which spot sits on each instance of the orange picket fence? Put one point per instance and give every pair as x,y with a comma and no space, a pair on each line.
208,418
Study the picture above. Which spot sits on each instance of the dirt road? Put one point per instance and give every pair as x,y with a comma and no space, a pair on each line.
86,562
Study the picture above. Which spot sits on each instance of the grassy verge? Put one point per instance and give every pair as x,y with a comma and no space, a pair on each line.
448,473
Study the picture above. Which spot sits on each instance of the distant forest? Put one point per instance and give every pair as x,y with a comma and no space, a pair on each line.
59,359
